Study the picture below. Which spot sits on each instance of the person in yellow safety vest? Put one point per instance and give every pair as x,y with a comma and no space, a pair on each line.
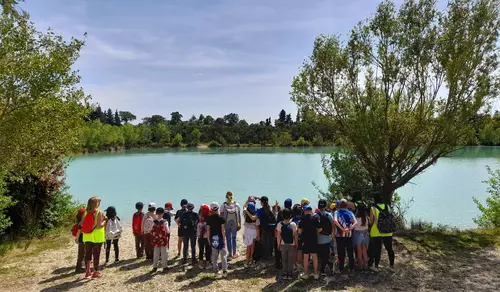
377,238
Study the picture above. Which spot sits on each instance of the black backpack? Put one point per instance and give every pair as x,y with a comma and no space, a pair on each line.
266,219
386,222
188,222
287,233
325,224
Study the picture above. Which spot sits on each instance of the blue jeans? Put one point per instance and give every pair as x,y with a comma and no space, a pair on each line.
231,241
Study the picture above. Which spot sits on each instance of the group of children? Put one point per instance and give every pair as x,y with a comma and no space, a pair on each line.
295,235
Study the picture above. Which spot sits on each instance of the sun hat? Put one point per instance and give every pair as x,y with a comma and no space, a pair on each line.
214,206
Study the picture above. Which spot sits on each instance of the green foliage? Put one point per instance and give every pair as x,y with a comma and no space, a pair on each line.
301,142
285,139
161,133
177,141
317,140
214,144
127,117
403,88
195,137
490,213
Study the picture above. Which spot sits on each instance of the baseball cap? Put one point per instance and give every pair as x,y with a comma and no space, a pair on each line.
304,201
343,203
184,202
190,206
333,206
81,211
152,205
251,207
214,206
288,203
264,199
307,207
168,205
205,210
322,204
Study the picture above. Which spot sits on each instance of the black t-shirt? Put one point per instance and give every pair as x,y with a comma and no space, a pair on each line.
215,222
179,213
168,217
308,224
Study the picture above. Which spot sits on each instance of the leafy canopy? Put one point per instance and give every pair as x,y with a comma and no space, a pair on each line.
403,87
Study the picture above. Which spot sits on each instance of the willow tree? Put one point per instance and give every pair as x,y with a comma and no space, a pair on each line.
404,85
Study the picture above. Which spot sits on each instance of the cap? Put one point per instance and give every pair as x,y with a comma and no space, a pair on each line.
81,211
152,205
139,205
333,206
304,201
168,205
184,202
307,207
190,206
214,206
343,203
251,207
111,209
288,203
205,210
322,204
264,199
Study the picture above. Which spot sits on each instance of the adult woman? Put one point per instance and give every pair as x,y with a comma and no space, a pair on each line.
92,227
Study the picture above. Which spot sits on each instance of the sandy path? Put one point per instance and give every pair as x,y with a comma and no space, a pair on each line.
52,270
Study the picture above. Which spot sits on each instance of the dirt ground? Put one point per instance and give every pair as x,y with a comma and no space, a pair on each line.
440,265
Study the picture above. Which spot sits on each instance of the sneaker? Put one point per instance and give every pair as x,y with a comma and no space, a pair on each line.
224,274
246,265
216,272
374,269
304,277
316,276
391,269
236,255
88,275
97,275
154,270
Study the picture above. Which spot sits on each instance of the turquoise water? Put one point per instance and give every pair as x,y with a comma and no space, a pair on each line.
442,194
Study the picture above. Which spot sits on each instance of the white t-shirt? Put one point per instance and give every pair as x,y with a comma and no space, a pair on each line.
358,226
294,228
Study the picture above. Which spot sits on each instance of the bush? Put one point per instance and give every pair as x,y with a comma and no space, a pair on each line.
301,142
490,213
177,141
213,144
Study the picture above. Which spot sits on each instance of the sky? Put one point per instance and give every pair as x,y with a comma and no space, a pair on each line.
206,56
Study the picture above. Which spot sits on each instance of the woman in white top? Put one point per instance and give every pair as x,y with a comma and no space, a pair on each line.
361,236
113,233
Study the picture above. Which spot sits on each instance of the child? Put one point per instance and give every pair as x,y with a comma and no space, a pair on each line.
287,243
203,237
230,211
265,232
159,235
250,232
188,222
345,221
325,237
137,229
217,238
79,240
308,228
297,217
113,233
180,231
92,227
361,237
147,225
168,217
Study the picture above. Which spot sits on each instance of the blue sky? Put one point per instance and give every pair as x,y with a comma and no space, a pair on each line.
211,57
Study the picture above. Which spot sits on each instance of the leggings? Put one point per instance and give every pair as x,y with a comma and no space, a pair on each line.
93,251
375,250
204,249
266,238
186,240
343,244
115,247
231,240
324,257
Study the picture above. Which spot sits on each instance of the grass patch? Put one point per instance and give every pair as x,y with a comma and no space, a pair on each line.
22,248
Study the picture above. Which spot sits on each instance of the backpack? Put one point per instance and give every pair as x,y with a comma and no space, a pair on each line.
148,224
267,220
137,223
386,222
188,222
287,233
89,222
231,216
216,241
74,230
325,224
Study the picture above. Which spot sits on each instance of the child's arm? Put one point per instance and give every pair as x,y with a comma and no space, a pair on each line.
295,237
142,223
354,222
336,221
333,230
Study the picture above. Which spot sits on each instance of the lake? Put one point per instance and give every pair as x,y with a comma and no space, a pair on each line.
442,194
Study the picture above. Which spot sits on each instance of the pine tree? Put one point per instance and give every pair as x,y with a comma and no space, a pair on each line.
117,121
110,119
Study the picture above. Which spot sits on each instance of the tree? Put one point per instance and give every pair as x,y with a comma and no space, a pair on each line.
219,122
288,119
126,116
154,120
110,118
201,118
161,133
282,116
231,119
175,118
195,137
117,121
208,120
403,88
177,141
285,139
193,119
490,213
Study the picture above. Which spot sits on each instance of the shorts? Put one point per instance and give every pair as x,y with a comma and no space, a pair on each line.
310,248
360,237
249,235
180,232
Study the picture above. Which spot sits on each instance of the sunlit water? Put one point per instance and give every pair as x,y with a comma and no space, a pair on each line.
442,194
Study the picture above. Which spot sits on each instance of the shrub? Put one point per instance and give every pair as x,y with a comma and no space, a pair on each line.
301,142
490,213
177,141
213,144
